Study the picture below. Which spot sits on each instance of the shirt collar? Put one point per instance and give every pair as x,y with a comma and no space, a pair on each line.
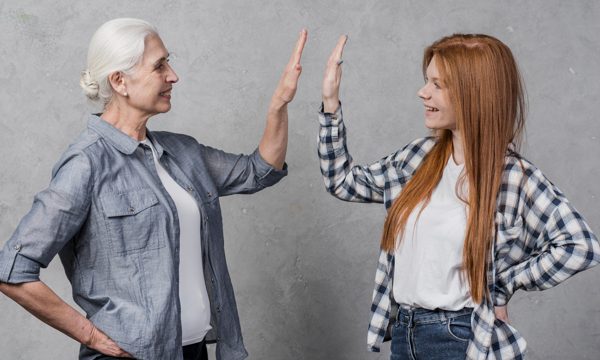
121,141
157,146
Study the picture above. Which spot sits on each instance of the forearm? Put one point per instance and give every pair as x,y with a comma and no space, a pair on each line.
43,303
273,145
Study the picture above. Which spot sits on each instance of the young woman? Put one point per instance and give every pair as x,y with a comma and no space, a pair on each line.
469,220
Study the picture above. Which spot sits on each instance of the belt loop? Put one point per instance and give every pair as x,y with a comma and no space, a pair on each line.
411,314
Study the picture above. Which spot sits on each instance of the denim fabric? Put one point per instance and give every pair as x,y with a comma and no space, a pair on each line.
116,231
421,334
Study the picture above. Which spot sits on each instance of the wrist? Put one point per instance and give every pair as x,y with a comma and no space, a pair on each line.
277,105
87,333
330,105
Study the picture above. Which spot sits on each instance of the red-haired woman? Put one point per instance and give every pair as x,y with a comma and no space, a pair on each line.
469,220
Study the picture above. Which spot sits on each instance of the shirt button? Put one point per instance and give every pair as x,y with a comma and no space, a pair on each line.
212,280
218,308
131,209
209,194
189,189
206,218
18,247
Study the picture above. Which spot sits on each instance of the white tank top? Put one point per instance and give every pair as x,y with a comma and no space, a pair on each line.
195,306
428,260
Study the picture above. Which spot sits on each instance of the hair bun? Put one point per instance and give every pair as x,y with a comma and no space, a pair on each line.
90,86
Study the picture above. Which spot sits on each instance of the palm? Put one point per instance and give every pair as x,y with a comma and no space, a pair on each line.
288,83
333,73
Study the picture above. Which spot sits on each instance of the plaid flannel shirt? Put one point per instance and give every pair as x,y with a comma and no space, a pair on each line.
541,240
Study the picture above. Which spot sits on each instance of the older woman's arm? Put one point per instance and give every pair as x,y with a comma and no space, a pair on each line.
43,303
273,144
56,215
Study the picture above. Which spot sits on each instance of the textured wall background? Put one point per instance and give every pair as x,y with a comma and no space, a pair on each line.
301,261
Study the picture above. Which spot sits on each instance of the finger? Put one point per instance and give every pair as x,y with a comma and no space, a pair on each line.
297,54
337,52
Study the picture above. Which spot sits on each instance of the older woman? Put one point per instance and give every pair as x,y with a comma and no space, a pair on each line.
135,215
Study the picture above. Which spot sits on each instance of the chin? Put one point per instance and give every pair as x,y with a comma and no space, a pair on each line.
163,109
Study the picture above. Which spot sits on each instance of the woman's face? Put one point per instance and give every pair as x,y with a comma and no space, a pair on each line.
149,86
439,112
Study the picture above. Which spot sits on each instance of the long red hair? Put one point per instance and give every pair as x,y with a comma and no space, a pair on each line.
485,89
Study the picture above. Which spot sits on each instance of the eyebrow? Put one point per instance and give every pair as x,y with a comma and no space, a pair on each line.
161,60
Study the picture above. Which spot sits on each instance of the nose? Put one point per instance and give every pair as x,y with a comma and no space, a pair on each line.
423,93
172,76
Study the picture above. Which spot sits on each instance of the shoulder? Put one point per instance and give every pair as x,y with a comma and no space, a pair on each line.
174,139
526,188
412,154
77,156
418,147
522,175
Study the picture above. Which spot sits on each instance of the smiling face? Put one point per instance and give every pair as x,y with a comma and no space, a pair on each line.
439,112
149,86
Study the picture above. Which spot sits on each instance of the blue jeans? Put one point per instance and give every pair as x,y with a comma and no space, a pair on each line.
431,334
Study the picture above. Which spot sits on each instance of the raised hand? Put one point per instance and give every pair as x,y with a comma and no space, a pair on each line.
286,89
273,144
333,76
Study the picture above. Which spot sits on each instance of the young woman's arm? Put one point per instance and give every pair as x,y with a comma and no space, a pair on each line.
342,177
551,240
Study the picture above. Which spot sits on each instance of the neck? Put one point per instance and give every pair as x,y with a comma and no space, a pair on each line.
457,148
129,121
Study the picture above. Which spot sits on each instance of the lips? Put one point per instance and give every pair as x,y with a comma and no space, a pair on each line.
166,93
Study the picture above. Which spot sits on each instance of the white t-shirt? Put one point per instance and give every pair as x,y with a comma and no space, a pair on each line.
428,261
195,306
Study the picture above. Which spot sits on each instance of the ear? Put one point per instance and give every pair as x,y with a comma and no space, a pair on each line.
117,82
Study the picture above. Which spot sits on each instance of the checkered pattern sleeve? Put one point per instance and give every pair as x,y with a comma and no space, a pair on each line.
549,240
378,182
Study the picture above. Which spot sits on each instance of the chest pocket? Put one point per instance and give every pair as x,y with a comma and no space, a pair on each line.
133,220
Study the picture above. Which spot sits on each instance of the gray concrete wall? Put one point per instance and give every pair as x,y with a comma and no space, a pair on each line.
301,261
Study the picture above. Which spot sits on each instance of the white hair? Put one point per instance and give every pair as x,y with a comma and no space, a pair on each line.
117,46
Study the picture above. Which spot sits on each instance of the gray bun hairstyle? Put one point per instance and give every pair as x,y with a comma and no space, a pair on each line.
117,46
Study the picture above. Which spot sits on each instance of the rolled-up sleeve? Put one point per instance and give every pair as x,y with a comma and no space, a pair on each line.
56,215
241,174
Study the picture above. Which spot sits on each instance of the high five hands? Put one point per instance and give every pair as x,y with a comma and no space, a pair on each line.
288,83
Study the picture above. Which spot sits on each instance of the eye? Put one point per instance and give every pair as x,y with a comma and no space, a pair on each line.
437,85
162,65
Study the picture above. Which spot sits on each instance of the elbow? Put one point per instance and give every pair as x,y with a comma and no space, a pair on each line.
595,252
589,250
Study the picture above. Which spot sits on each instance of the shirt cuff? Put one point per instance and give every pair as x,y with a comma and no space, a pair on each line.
330,119
266,174
17,268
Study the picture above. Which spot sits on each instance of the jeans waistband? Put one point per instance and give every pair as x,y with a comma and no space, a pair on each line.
415,315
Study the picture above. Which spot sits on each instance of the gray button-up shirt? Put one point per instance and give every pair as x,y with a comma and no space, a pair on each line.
115,228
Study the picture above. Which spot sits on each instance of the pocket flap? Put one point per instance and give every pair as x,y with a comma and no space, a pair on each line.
128,203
